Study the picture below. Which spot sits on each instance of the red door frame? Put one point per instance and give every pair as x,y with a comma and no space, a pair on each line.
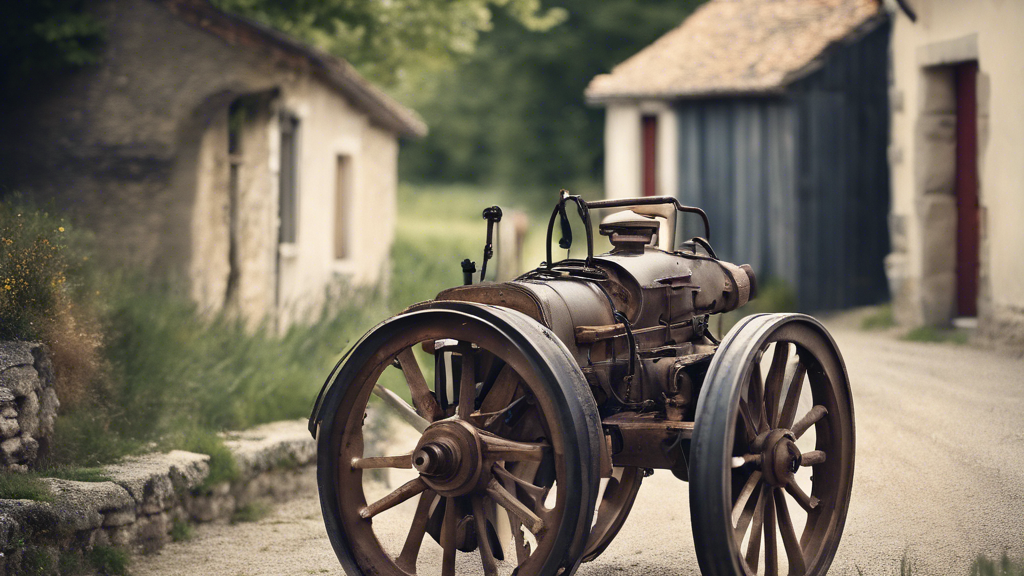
649,157
967,219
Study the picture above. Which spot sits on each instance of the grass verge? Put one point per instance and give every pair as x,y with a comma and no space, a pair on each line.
252,512
182,531
933,334
109,561
881,318
17,486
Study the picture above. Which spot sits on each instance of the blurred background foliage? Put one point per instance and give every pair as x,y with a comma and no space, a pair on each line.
45,37
499,82
513,112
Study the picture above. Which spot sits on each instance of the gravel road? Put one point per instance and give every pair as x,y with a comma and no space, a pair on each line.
940,478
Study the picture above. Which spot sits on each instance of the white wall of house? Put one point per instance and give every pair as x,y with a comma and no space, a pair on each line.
346,175
622,177
922,266
330,128
623,149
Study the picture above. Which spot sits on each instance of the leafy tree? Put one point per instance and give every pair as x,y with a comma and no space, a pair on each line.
40,37
514,113
395,42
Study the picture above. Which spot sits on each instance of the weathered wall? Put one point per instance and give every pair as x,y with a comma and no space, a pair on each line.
28,404
144,497
136,147
623,149
310,265
923,207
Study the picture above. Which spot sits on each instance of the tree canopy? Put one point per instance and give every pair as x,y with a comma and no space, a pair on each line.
500,82
390,41
514,111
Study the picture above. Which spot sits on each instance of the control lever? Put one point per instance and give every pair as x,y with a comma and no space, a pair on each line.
493,216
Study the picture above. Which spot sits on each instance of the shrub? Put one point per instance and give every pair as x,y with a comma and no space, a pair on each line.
43,296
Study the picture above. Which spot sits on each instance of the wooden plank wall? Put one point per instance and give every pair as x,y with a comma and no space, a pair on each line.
798,185
842,128
737,162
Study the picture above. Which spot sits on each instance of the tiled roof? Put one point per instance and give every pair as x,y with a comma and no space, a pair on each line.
285,50
736,47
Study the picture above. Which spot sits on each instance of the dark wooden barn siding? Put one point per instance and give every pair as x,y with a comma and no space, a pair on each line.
737,162
842,118
798,185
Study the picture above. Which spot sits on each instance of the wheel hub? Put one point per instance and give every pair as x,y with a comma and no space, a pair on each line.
780,457
449,457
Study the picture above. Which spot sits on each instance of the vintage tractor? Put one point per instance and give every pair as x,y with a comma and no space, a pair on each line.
537,407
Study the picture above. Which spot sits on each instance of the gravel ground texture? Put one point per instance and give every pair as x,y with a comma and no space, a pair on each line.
939,479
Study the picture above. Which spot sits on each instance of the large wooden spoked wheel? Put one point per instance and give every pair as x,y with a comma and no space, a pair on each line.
773,448
616,498
494,464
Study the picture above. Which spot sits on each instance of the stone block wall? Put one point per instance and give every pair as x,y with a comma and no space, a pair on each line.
28,404
145,496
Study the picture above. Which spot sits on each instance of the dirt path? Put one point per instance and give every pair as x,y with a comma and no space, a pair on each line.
940,476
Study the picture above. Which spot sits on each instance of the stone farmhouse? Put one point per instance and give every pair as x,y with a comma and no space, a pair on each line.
252,169
957,171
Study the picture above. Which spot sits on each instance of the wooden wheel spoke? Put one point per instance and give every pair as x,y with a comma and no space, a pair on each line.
403,493
448,538
748,421
467,385
754,543
532,490
425,402
793,390
771,551
490,418
741,512
773,383
506,500
510,481
483,539
794,552
756,396
812,458
806,502
401,407
498,448
407,559
522,547
499,397
401,461
808,420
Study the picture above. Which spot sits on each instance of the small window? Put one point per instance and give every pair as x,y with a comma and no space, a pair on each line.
342,206
288,180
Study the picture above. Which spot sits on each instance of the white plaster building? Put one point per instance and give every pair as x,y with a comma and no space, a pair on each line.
204,147
957,158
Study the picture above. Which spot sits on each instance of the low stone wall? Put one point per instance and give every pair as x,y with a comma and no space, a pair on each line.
28,404
147,495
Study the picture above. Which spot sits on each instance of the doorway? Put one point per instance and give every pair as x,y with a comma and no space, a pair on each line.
966,185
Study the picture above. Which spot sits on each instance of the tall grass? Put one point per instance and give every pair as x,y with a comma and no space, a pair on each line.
162,375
